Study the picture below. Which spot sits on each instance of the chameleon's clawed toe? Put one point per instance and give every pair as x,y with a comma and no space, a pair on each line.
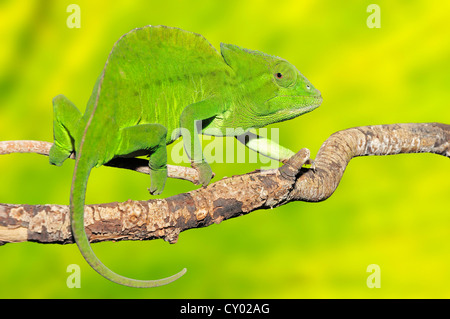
154,191
312,163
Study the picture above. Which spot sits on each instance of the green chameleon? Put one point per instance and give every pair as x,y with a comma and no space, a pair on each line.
160,83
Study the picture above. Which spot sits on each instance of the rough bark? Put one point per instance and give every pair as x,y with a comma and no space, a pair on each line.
224,199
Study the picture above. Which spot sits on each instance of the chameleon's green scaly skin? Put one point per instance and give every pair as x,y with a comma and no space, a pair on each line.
157,85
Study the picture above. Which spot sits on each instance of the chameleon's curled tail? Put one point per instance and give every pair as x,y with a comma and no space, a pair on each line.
77,200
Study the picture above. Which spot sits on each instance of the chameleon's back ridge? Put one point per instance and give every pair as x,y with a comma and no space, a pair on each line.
161,83
153,82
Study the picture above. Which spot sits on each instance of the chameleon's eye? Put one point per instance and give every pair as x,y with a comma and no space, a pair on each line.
284,74
308,87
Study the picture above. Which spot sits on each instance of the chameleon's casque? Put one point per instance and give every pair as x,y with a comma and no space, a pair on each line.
158,83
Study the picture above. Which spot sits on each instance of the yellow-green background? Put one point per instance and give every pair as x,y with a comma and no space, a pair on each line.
391,211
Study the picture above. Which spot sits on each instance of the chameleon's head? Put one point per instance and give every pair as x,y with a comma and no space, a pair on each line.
272,88
294,94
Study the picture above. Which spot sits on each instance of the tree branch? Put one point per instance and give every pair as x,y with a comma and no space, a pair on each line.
224,199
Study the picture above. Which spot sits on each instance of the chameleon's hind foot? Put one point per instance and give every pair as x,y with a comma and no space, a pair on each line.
58,155
65,122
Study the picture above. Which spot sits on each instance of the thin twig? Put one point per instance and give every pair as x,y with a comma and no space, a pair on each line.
136,164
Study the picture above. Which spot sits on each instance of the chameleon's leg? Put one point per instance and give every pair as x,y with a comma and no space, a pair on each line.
265,146
191,116
147,139
66,117
268,148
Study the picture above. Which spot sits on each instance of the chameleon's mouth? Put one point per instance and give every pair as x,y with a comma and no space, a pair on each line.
289,107
294,111
309,104
312,102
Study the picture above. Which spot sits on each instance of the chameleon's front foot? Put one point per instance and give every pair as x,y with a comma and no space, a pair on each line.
157,181
204,172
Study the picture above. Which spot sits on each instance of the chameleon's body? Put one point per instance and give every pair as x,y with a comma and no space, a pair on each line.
157,85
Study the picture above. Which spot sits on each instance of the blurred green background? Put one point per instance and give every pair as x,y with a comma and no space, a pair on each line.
390,211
